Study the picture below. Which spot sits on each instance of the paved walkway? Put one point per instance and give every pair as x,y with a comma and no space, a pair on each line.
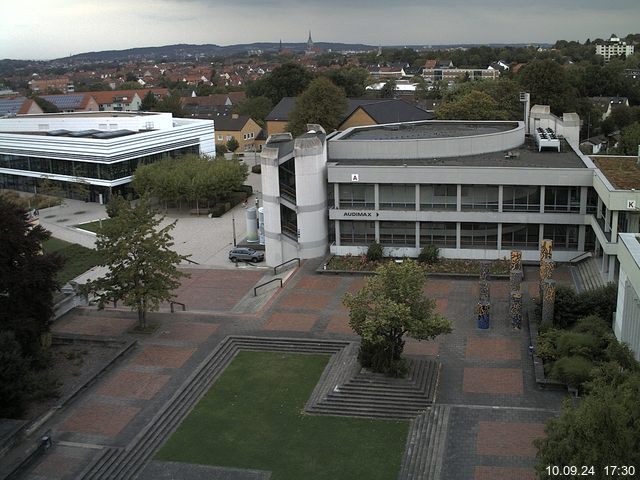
487,376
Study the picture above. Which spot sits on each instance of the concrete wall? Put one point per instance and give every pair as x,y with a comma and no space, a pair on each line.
627,321
568,126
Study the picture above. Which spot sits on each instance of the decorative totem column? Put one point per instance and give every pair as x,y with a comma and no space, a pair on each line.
547,266
485,268
516,260
515,309
482,310
515,280
548,301
546,249
485,291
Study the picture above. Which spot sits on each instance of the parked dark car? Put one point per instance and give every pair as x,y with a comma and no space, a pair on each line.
247,254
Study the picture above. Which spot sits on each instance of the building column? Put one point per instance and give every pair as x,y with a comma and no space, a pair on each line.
459,204
417,197
377,231
500,198
612,270
582,233
376,199
418,235
614,226
607,219
336,195
540,234
337,232
599,208
499,244
542,192
583,200
458,242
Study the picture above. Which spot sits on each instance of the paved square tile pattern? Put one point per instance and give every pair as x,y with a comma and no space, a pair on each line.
187,331
305,301
508,439
163,356
504,473
99,419
495,381
493,348
90,325
289,321
339,323
137,385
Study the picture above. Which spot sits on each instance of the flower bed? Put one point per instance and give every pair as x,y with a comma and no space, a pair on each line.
359,263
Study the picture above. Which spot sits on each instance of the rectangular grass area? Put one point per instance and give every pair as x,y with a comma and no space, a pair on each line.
77,259
94,226
252,417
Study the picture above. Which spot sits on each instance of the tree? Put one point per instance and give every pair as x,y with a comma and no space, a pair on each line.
27,279
474,105
388,90
548,83
14,370
287,80
149,102
603,429
353,80
232,144
322,103
630,139
256,108
390,305
171,103
142,266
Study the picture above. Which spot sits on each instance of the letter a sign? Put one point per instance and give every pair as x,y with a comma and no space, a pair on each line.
355,177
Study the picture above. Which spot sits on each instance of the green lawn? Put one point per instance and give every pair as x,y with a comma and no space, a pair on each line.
78,259
93,226
252,418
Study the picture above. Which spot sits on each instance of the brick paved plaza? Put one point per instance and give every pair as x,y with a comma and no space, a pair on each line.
486,376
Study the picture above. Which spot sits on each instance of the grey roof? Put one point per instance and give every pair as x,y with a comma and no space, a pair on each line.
229,124
65,102
382,110
11,106
527,155
281,111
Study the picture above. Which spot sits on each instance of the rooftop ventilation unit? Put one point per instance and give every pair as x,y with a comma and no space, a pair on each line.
546,138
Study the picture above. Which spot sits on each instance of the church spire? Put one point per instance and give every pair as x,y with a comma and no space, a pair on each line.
309,42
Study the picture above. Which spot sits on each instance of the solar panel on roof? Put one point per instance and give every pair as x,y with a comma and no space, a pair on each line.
58,133
65,101
113,134
84,133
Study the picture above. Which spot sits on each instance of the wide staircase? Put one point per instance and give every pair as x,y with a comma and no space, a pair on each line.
587,275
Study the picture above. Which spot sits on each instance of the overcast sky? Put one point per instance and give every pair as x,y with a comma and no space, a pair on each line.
46,29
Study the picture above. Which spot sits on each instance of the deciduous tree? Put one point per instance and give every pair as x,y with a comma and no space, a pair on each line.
391,305
142,265
323,103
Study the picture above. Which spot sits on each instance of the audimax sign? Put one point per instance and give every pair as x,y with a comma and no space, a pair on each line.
360,214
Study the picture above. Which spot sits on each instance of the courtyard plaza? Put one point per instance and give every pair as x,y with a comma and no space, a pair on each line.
486,379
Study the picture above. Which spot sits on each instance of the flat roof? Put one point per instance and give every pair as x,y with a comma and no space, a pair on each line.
430,129
622,172
104,113
527,155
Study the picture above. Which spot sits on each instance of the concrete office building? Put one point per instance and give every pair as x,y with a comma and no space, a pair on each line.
476,190
627,322
99,149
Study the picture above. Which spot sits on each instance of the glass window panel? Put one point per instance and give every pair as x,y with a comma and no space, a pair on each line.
479,235
480,197
438,197
399,234
440,234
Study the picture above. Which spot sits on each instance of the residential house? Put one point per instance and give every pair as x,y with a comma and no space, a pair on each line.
73,102
126,100
18,106
62,84
607,104
241,127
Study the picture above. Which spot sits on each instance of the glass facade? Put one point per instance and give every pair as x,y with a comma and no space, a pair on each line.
562,199
287,175
357,196
520,235
357,233
397,197
479,235
438,197
398,234
565,237
289,222
520,199
440,234
89,170
480,197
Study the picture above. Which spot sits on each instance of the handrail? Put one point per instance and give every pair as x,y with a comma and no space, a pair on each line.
191,261
582,256
184,307
275,269
255,289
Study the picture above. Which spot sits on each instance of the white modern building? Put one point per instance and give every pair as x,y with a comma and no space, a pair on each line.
627,322
98,149
475,190
614,47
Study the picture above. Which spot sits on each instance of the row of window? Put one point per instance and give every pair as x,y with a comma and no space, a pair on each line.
473,197
75,168
472,235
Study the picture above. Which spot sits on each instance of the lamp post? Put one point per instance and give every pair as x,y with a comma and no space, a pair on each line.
233,226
